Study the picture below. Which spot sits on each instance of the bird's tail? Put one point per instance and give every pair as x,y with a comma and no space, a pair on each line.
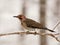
49,30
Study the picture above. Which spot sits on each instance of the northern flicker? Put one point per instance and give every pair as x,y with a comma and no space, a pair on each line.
30,24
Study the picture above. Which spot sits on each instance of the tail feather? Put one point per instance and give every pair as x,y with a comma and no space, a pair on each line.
49,30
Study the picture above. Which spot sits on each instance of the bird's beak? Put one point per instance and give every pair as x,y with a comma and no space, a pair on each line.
15,16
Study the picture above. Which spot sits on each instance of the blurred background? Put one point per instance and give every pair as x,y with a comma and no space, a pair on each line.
47,12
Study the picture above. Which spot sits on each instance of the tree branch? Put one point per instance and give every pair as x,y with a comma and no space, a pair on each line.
34,33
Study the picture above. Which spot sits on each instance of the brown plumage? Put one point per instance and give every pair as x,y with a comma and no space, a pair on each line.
29,23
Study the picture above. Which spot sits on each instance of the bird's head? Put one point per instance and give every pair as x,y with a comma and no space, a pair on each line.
21,17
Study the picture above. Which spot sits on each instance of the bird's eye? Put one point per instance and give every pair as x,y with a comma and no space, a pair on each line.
20,18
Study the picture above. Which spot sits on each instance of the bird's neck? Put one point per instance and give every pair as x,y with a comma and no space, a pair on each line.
23,19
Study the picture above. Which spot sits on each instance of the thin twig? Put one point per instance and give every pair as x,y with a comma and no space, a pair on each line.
56,25
34,33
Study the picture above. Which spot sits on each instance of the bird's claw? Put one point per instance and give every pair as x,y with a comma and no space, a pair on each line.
35,33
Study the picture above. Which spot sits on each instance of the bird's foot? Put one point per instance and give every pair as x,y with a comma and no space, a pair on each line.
35,33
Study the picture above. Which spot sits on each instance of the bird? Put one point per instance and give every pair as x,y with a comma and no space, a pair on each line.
30,24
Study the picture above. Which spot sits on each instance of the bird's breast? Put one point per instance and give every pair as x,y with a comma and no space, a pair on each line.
25,26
